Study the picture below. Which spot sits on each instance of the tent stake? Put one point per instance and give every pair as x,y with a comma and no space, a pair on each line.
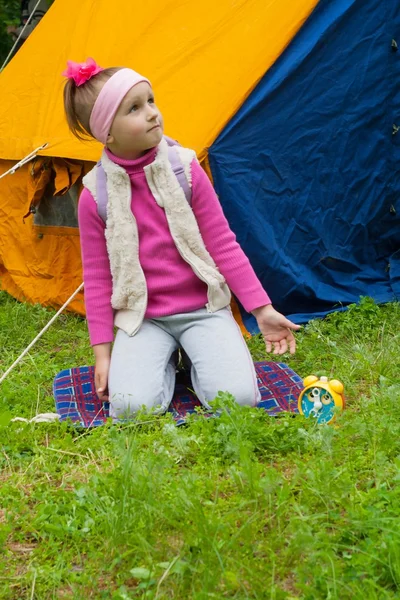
45,328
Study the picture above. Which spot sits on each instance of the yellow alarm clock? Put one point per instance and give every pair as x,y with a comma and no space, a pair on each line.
321,398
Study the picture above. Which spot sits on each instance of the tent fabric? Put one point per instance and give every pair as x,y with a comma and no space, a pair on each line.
204,58
37,267
307,170
45,170
296,102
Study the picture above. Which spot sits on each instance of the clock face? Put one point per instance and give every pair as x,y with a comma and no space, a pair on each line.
318,403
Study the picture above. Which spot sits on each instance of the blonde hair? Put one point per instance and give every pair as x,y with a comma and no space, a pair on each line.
79,102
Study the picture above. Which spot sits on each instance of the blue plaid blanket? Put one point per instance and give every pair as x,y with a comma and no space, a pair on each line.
76,399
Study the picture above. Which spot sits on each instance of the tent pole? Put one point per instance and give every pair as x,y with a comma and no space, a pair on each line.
45,328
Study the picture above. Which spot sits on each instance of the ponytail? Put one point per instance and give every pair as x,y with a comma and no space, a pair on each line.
71,114
79,102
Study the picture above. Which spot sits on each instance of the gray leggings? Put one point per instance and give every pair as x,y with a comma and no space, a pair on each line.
142,370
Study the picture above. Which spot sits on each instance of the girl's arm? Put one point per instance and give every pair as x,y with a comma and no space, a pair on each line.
221,243
234,265
96,272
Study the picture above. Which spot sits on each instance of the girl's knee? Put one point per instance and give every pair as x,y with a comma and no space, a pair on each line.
245,394
126,404
128,398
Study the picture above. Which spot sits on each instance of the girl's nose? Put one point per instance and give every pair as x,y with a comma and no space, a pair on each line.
153,112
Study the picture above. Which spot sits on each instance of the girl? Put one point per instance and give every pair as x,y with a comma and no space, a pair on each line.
158,267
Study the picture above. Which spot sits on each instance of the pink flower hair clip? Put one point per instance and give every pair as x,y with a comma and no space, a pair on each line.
82,72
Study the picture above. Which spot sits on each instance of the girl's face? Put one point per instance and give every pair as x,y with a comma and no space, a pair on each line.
137,125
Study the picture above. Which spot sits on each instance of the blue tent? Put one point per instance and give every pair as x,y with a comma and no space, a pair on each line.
307,170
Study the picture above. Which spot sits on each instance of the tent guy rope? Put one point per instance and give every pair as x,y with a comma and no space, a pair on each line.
25,160
45,328
19,37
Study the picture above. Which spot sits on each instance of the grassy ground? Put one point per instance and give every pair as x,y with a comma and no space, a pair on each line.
245,506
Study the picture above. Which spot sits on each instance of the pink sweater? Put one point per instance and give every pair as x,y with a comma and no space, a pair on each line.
172,285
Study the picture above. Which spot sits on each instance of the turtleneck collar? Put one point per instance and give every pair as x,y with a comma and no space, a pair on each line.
136,165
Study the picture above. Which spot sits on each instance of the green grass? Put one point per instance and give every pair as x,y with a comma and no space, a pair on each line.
244,506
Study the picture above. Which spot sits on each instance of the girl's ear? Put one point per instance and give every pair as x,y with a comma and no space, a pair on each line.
110,139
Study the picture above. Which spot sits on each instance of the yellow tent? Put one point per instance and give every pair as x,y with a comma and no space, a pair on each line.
203,58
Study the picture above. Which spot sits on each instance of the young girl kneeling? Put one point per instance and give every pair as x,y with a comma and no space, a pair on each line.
160,262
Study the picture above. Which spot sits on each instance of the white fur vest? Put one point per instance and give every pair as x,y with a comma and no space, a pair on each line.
129,297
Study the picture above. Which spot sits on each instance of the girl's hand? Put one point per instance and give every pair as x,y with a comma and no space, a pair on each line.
101,378
276,330
102,353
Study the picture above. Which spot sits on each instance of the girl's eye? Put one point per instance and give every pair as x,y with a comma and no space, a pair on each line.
151,100
134,107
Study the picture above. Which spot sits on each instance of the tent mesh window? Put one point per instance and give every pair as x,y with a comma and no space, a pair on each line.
59,211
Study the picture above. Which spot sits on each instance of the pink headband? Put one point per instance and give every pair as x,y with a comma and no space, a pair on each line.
109,99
